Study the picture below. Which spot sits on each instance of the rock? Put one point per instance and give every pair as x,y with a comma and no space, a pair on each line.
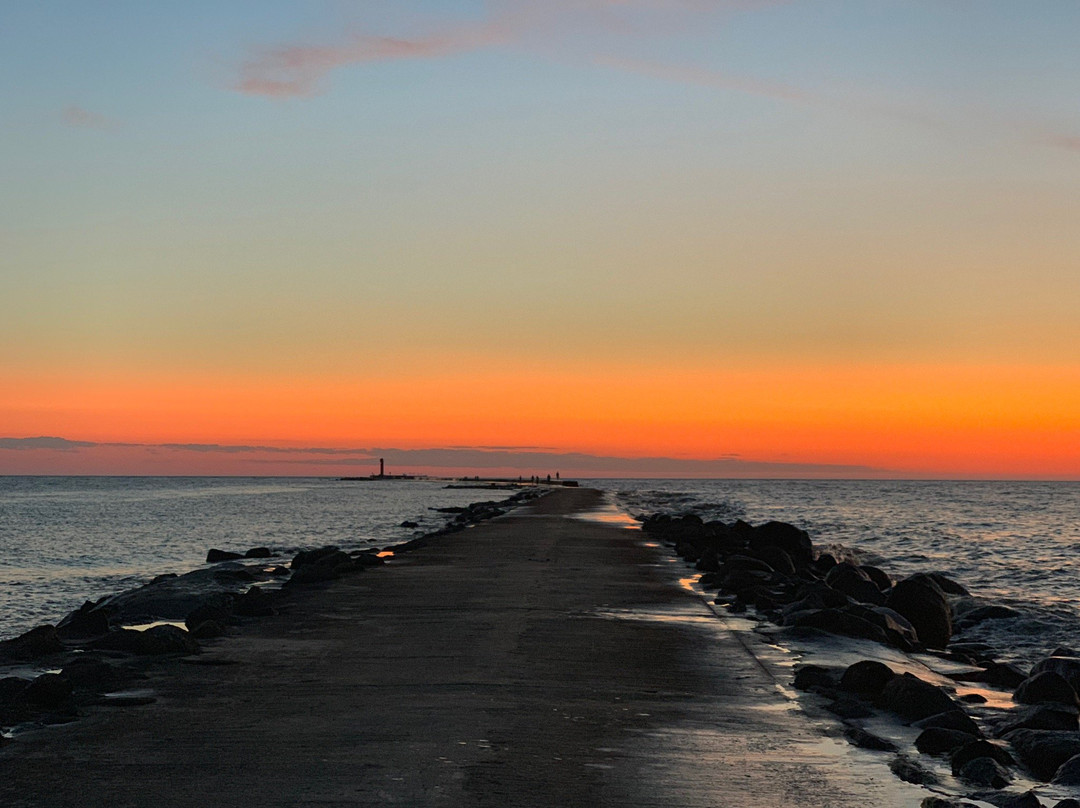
985,772
88,673
938,740
208,630
368,558
84,623
922,602
913,699
978,749
12,705
866,740
954,720
900,632
1068,802
1000,674
976,616
217,608
254,603
154,641
49,691
793,541
855,583
776,558
867,678
408,523
1067,667
259,552
880,578
214,556
836,621
911,771
168,640
973,698
1046,687
848,708
808,676
1068,773
1043,751
1025,800
940,802
948,585
34,644
1040,716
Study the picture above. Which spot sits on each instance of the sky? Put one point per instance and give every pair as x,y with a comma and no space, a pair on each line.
627,237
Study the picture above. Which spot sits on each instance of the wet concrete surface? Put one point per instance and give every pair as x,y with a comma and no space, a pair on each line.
534,660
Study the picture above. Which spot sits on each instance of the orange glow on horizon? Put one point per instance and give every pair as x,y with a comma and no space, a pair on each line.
925,420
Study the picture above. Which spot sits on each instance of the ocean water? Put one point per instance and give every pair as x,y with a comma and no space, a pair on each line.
64,540
1013,543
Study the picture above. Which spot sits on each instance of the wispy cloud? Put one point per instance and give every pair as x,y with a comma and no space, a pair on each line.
297,70
74,115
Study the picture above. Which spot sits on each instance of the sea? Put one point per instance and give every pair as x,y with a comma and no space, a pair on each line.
64,540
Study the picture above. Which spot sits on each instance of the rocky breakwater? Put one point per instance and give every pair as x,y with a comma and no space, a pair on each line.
1015,749
98,655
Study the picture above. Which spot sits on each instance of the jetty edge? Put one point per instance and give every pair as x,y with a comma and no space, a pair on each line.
537,659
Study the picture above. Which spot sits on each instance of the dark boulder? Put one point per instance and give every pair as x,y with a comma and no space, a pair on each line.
1067,667
867,740
88,673
922,602
880,578
793,541
34,644
911,771
408,523
213,556
259,552
848,708
254,603
1000,674
938,740
855,583
1040,716
941,802
900,633
808,676
976,616
1006,800
1068,802
1068,773
48,692
978,749
368,558
837,621
216,607
985,772
867,678
208,630
913,699
1043,751
1044,688
166,639
954,720
84,623
948,585
776,558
